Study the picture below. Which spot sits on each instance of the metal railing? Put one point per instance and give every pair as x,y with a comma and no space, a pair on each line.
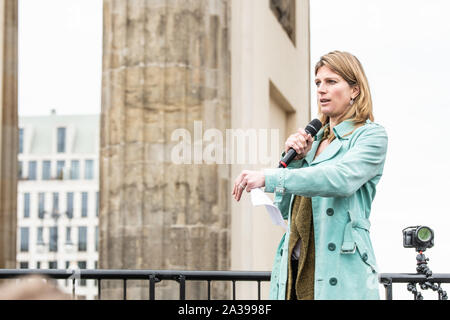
387,279
155,276
152,276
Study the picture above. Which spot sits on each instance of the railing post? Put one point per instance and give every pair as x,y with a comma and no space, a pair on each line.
209,289
152,287
73,288
234,289
182,280
99,289
259,289
387,283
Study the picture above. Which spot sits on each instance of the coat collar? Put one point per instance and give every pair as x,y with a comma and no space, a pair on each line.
341,131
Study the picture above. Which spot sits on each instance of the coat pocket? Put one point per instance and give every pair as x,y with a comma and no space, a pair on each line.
364,249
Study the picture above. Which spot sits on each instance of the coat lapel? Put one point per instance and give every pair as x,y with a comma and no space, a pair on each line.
341,131
310,156
329,152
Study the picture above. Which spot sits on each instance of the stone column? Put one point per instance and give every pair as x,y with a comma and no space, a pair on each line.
166,64
8,132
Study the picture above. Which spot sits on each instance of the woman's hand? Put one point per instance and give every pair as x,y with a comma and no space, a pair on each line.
248,180
301,142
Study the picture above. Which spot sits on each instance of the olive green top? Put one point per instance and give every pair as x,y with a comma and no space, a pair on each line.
302,228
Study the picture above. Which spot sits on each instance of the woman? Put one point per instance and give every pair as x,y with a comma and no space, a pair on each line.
326,192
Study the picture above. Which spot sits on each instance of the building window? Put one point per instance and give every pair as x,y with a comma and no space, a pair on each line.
24,239
26,205
20,172
38,265
53,244
46,170
68,236
40,236
97,203
84,204
61,142
23,265
284,11
60,169
70,205
82,238
67,268
32,170
41,205
82,265
21,140
96,238
55,203
75,170
89,169
53,264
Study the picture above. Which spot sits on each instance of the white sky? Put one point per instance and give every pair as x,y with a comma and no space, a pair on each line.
60,56
403,46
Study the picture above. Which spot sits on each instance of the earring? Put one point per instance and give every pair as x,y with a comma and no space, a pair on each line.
352,101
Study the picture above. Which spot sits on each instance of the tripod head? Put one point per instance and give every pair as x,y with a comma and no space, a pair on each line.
422,265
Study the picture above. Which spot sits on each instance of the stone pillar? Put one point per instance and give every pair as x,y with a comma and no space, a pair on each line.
8,132
166,64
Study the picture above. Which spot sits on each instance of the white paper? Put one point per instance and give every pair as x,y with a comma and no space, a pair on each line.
259,198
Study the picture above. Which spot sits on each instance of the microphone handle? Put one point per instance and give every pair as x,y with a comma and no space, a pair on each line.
312,128
291,154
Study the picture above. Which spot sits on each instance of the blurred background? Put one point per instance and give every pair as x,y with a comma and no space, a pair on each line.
101,85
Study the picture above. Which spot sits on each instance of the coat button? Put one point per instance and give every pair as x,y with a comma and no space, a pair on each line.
331,246
365,257
330,211
333,281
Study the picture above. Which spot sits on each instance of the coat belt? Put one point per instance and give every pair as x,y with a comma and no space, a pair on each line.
353,241
351,236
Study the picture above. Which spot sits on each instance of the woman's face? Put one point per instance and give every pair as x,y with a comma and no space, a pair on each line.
333,92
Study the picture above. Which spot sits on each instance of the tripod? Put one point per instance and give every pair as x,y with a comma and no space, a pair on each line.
422,268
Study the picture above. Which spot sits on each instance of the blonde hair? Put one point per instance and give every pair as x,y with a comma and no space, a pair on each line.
350,69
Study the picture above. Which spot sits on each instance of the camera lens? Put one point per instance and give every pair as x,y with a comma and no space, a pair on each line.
424,234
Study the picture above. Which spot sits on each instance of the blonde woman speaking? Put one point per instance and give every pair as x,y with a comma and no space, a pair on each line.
326,192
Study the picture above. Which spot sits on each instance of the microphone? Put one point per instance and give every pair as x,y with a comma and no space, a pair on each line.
312,128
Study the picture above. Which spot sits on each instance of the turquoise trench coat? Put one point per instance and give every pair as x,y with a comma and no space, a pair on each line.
341,182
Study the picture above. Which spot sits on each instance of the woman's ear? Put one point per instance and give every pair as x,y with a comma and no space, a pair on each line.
355,92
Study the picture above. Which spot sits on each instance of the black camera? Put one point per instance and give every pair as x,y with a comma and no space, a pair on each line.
422,238
418,237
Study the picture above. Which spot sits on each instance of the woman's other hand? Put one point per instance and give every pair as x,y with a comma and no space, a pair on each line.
248,180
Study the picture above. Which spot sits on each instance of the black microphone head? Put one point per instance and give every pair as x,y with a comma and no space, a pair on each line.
313,127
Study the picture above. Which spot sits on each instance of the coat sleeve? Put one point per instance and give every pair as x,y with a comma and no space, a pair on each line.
285,201
363,161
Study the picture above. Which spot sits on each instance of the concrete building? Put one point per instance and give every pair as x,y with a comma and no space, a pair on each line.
58,195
